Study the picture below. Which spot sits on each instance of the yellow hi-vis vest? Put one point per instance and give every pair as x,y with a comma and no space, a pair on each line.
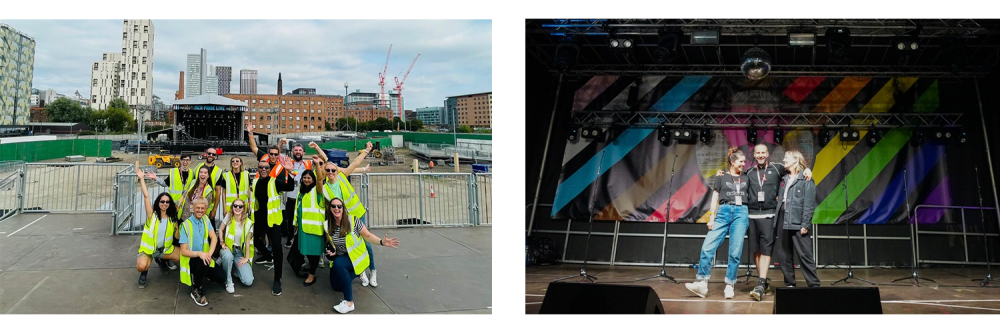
148,243
245,242
233,191
214,173
352,203
207,194
188,227
313,215
177,186
357,250
273,204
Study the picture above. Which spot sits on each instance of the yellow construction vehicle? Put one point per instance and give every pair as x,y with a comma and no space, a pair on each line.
163,158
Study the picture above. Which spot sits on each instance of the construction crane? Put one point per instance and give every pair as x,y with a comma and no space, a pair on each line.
381,78
399,87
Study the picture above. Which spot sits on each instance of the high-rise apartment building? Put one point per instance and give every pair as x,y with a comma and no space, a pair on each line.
248,81
211,81
133,81
196,74
225,77
16,74
105,80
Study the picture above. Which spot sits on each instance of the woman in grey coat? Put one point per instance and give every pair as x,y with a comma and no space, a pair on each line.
796,204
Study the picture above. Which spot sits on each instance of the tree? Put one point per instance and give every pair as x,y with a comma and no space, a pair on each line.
118,119
381,124
64,110
118,103
464,129
416,125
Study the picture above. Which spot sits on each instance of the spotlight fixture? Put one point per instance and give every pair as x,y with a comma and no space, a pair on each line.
620,43
872,137
825,135
850,135
779,135
917,137
705,37
566,55
574,133
801,39
961,136
752,135
666,47
705,135
663,134
838,44
683,134
906,44
592,132
756,63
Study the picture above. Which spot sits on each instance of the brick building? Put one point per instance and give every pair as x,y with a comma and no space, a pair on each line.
474,110
291,113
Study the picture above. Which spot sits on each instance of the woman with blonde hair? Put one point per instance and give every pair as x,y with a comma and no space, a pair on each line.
796,204
200,188
236,233
728,215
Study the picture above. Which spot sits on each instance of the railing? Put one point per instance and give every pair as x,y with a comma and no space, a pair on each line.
446,151
11,183
484,197
65,187
125,219
964,232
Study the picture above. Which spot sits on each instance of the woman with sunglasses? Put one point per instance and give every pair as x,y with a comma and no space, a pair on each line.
308,218
236,233
158,233
200,188
347,250
234,184
337,185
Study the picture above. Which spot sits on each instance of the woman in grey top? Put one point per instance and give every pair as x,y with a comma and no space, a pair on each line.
345,250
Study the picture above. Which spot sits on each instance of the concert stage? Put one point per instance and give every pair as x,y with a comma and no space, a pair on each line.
208,121
954,292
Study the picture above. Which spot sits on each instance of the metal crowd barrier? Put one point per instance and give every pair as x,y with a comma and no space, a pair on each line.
11,185
70,187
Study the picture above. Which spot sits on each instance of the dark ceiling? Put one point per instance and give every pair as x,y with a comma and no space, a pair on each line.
948,47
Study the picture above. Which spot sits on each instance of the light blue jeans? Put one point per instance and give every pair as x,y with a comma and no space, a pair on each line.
229,260
729,220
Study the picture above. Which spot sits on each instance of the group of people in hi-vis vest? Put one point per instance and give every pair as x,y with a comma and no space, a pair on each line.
326,219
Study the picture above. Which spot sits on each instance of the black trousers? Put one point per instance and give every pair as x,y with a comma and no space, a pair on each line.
273,234
287,215
260,234
802,244
200,271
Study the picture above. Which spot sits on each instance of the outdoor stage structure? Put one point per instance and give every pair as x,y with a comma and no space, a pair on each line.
896,168
209,121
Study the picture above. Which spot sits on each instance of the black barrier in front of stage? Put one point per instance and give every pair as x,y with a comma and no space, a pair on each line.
827,300
596,298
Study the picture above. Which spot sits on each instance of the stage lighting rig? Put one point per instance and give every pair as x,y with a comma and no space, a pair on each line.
705,136
825,135
779,135
850,134
666,47
752,135
838,45
872,137
574,133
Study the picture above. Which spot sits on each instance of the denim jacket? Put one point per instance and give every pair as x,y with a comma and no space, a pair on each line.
800,205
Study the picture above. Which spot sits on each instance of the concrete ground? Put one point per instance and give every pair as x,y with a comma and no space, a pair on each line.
68,264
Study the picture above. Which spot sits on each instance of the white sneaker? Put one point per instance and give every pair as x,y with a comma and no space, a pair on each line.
373,283
729,291
700,288
230,288
343,307
364,278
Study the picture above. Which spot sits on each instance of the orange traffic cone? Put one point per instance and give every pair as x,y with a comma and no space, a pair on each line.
432,191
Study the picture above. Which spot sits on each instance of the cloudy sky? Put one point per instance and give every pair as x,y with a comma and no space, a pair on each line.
455,55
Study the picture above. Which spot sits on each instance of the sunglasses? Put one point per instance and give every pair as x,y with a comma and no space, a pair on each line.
238,206
337,206
164,201
331,170
210,154
320,162
273,154
264,167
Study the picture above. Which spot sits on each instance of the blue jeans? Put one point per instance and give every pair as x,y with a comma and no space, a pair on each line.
341,275
229,260
731,220
371,256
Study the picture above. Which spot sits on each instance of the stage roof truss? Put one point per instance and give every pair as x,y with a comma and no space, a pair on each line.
764,120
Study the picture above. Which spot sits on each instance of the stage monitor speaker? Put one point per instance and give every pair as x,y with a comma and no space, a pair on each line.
827,300
592,298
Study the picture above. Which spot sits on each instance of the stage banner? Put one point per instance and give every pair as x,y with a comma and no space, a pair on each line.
627,176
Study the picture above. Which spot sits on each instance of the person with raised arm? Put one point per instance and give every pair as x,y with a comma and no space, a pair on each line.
347,250
157,242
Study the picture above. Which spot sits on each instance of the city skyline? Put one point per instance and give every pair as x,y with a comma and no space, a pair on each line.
456,56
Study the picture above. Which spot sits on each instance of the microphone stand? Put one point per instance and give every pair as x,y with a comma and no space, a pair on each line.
913,239
663,255
850,272
982,217
586,253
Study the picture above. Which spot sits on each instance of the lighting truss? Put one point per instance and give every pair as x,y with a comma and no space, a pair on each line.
652,119
764,27
776,70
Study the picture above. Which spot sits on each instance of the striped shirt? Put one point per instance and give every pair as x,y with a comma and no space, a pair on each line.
340,243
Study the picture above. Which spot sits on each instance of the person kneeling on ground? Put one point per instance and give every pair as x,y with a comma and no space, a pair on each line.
158,233
347,251
236,233
198,242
